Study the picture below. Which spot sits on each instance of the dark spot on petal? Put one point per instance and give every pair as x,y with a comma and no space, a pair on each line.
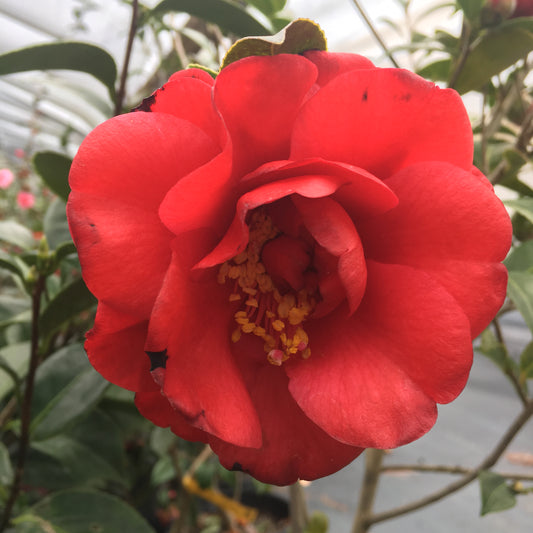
92,225
237,466
157,359
405,97
146,104
365,96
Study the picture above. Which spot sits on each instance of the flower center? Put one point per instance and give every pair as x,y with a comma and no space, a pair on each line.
264,311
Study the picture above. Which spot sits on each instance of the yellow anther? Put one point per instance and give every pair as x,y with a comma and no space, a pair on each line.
278,325
240,314
234,297
306,353
248,290
252,302
248,328
236,335
259,331
296,315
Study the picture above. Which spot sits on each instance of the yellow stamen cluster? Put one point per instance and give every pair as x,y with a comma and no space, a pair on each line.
265,312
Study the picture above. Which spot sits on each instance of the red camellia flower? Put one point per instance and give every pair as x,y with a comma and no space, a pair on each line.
524,8
292,260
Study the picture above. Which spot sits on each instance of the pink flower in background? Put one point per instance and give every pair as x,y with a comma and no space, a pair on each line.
19,152
6,178
25,200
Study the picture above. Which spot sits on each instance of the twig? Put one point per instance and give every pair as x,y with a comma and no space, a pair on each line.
374,458
445,469
374,31
298,508
486,464
124,75
463,56
26,404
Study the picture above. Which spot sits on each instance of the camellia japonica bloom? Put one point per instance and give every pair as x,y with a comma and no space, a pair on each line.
291,260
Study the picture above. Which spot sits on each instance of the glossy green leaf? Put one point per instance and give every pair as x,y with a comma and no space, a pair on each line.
521,257
82,464
225,13
495,494
496,50
55,224
66,388
64,250
83,511
53,169
9,262
299,36
82,57
73,299
520,289
14,233
524,206
471,8
436,71
268,7
17,356
496,352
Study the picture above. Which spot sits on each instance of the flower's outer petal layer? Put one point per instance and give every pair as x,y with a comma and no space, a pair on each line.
155,407
188,98
260,114
451,225
293,446
333,229
331,65
191,321
122,172
383,120
115,347
373,379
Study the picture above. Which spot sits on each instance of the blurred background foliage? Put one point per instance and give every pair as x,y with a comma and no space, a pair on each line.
91,462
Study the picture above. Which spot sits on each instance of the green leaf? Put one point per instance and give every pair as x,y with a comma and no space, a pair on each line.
526,363
268,7
53,169
496,50
73,299
17,356
6,470
436,71
471,8
524,206
521,257
82,57
495,494
66,388
299,36
318,523
8,262
14,233
55,224
82,511
64,250
225,13
520,289
81,462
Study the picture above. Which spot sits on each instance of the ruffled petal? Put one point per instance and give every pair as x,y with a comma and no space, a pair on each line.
334,231
191,324
293,446
383,120
155,407
115,347
451,225
122,172
330,65
260,114
373,379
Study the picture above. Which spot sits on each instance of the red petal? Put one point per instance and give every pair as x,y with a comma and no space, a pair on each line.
334,230
187,97
383,120
192,320
331,65
293,446
155,407
259,98
115,347
451,225
119,177
372,380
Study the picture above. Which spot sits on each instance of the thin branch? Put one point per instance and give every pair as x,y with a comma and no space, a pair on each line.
464,53
26,404
374,458
124,75
486,464
374,31
445,469
298,508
